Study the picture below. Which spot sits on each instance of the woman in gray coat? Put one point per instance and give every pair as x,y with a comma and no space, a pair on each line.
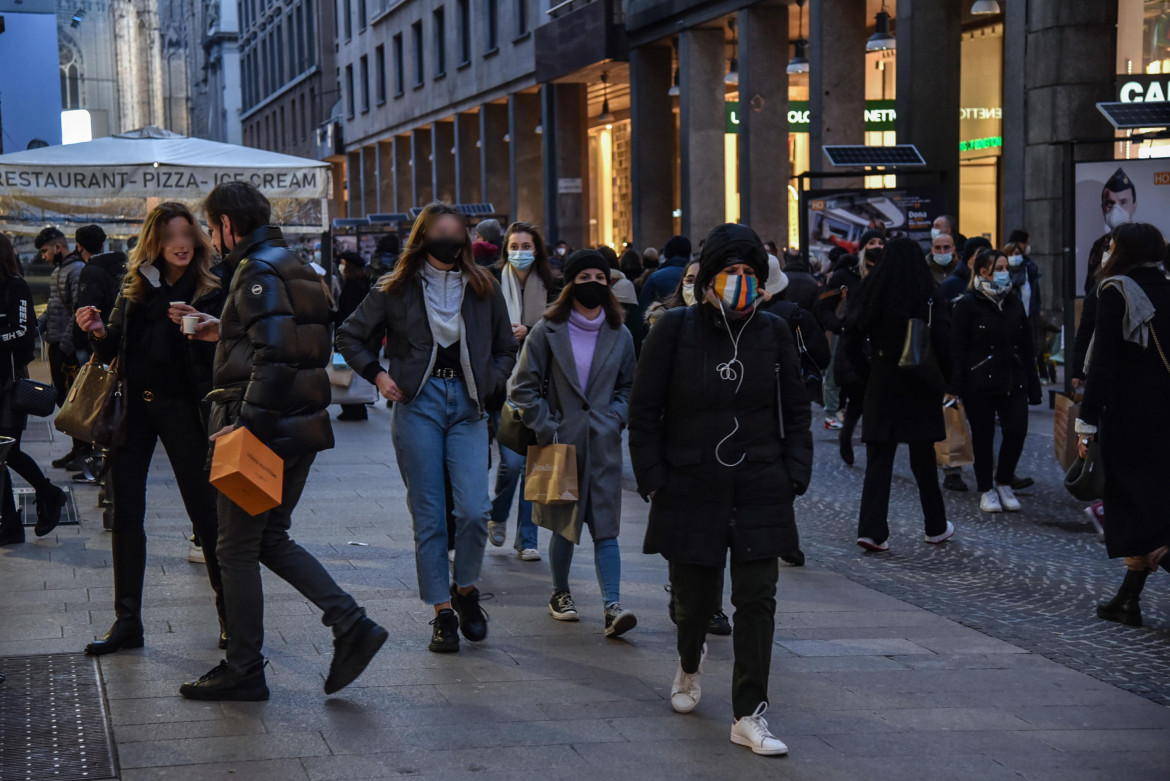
572,385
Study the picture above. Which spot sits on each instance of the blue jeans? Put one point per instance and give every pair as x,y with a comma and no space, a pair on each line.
607,560
508,476
443,425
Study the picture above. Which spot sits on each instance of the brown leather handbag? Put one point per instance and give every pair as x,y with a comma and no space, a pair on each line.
95,409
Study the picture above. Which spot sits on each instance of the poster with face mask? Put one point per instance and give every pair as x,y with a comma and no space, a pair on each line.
837,218
1111,193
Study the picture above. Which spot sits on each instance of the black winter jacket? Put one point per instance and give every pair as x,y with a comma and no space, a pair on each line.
273,348
991,349
101,281
804,329
681,414
17,343
828,308
803,288
401,317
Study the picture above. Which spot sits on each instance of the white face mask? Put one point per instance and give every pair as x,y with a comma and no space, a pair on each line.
1117,216
1105,257
688,294
935,233
1016,260
943,260
1028,250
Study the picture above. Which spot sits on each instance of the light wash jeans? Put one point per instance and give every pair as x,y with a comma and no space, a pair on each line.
607,560
443,425
509,475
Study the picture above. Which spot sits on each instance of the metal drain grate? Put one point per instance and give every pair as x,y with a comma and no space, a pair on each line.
38,431
26,498
53,721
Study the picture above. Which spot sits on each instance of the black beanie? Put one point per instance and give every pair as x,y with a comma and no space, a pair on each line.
676,247
583,259
727,244
869,234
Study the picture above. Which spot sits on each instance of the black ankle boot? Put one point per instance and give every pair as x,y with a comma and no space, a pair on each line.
125,633
129,556
845,439
1124,608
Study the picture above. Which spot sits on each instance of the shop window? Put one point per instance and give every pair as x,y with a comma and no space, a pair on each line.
399,72
349,96
365,74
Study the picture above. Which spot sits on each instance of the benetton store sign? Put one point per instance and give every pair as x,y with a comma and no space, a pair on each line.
879,115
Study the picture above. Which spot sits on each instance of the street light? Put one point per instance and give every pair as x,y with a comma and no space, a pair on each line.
606,116
799,61
980,7
881,40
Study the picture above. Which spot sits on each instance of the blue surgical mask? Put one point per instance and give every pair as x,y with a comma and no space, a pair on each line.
1015,260
935,233
521,260
1001,278
943,260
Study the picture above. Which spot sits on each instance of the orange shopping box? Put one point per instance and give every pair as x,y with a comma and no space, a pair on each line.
246,471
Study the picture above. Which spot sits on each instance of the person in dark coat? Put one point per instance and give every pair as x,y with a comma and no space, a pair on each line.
720,443
901,404
572,385
1126,390
994,374
17,343
167,377
355,284
803,288
664,280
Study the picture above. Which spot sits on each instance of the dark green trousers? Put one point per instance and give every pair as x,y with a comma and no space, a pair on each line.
698,593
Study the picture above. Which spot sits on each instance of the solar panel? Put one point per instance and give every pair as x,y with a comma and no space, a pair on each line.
476,209
415,211
389,218
352,222
1127,116
843,156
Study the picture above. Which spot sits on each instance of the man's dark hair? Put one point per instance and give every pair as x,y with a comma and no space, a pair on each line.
47,235
91,238
241,203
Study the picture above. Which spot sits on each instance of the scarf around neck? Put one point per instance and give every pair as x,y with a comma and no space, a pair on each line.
526,304
443,294
991,291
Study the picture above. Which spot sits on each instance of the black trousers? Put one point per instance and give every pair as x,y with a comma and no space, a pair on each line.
875,493
177,423
698,593
24,465
246,542
1013,420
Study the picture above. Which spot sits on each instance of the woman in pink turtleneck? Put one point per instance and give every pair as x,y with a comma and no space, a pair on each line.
572,384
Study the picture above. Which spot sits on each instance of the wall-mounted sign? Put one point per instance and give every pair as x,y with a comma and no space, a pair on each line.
569,186
1143,88
880,115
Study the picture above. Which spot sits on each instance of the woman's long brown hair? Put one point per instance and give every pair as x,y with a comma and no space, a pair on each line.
414,254
558,311
541,266
150,251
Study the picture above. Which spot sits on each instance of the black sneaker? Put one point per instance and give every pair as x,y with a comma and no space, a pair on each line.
954,483
70,461
49,506
472,618
445,636
352,652
719,624
562,607
1020,483
220,684
618,620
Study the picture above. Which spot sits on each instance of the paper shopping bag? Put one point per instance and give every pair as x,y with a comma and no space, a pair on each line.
339,373
956,449
551,475
244,470
1064,435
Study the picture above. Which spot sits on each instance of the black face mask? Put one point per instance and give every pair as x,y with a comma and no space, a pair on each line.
590,294
444,249
873,256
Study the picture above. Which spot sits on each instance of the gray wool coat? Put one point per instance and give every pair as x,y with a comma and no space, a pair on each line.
591,420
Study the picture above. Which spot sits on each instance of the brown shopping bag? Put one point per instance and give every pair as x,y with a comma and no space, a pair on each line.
551,474
956,449
244,470
1064,435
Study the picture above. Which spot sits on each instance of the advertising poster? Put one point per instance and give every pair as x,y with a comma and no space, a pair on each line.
1113,192
837,218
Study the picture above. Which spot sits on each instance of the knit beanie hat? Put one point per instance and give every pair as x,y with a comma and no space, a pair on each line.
582,260
867,235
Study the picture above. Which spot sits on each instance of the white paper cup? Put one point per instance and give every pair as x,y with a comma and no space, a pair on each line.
189,323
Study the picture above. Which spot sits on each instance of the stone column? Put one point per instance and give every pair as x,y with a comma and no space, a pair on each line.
702,119
467,189
929,47
525,159
443,164
353,184
652,145
403,189
421,182
567,163
763,121
385,176
370,203
837,30
493,156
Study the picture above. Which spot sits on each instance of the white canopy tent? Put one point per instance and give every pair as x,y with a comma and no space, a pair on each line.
115,181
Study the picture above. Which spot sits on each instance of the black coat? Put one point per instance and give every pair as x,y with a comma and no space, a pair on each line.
1085,330
991,349
829,307
803,288
353,292
101,281
1125,396
401,317
273,347
17,343
900,404
804,329
682,413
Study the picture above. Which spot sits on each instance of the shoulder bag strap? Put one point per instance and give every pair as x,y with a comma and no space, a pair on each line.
1158,346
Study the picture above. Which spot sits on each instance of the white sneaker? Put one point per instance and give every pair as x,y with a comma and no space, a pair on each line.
989,502
870,545
528,554
685,691
1007,498
941,538
451,555
195,555
752,731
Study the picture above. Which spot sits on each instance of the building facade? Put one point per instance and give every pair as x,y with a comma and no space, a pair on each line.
29,108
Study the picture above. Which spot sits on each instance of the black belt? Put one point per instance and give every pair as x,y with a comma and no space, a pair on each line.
447,374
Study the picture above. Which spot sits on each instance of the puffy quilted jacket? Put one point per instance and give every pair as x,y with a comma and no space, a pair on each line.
63,288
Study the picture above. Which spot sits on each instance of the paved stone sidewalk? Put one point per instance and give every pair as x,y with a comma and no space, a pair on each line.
864,685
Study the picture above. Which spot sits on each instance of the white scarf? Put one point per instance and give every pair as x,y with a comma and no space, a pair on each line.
443,294
525,304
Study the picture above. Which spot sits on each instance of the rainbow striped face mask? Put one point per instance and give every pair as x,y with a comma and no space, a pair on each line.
736,292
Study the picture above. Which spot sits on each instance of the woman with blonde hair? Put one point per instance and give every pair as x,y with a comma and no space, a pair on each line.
171,274
451,348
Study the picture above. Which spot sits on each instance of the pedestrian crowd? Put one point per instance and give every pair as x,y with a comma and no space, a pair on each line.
710,360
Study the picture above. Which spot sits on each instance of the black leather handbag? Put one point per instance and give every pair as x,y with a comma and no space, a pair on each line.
31,397
1085,479
916,348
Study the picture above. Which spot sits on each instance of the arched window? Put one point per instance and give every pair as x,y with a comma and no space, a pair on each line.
70,77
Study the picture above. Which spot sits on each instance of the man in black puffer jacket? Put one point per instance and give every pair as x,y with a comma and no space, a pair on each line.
270,377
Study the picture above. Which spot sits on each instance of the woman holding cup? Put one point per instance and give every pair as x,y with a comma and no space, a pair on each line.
170,281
